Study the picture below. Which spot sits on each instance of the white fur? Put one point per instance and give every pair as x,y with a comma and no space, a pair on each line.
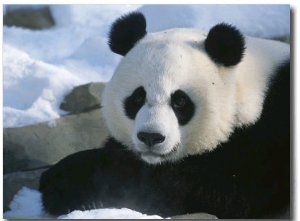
225,98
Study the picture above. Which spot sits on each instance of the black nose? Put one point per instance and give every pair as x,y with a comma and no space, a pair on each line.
150,139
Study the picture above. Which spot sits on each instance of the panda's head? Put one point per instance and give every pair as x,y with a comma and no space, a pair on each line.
172,93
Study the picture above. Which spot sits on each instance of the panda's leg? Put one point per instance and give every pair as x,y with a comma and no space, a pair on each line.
89,179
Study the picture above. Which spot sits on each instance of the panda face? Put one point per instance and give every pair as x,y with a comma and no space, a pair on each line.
183,91
173,93
154,137
158,103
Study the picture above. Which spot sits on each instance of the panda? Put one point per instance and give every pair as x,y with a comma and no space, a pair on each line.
198,121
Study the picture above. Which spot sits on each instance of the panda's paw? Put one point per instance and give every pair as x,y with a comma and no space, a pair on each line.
66,195
69,184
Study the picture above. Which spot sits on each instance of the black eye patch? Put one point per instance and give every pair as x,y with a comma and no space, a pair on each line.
182,106
134,102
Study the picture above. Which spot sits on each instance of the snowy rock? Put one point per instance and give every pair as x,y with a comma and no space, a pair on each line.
43,144
195,216
32,18
83,98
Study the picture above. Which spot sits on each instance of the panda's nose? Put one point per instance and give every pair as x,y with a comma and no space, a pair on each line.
150,139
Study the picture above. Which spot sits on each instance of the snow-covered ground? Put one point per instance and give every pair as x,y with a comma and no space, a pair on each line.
41,67
27,205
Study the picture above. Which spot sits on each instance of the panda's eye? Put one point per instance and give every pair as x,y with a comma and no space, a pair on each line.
182,106
138,99
179,102
134,102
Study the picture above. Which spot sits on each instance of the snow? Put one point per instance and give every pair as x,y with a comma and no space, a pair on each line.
26,204
123,213
265,21
41,67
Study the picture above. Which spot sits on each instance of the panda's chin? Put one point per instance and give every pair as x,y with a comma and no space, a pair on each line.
154,158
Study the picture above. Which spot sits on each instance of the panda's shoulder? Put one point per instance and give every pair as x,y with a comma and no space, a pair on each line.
267,55
277,99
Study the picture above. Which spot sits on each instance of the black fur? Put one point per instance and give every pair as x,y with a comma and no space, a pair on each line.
126,32
182,106
225,45
247,177
134,102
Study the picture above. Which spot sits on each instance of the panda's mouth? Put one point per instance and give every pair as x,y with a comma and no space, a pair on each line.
169,154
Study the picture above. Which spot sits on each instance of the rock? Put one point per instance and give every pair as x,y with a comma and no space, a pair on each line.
286,39
13,182
39,18
83,98
195,216
28,150
44,144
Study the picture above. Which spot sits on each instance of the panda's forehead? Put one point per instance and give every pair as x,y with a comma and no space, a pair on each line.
162,70
162,60
176,35
161,63
158,91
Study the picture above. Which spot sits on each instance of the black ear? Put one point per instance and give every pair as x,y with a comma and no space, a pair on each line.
126,31
225,45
